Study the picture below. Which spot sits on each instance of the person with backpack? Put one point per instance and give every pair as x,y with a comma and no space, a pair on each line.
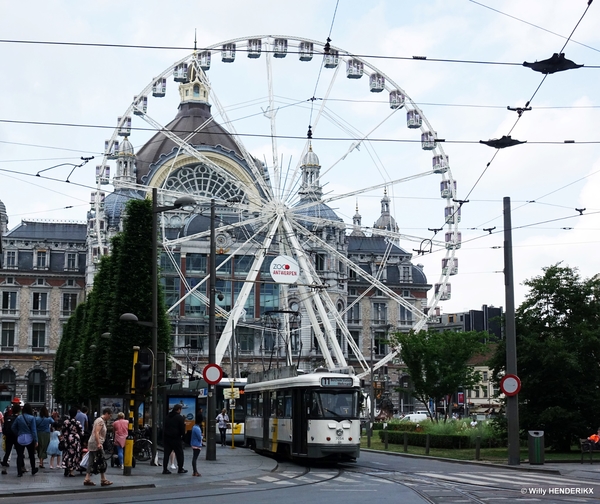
9,438
24,429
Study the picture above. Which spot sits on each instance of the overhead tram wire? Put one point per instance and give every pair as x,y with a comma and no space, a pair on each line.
190,49
530,100
526,105
295,137
533,24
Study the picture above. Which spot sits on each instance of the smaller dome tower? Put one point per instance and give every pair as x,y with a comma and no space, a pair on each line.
356,221
311,169
386,221
125,164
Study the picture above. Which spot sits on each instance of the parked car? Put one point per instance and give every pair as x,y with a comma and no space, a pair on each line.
414,417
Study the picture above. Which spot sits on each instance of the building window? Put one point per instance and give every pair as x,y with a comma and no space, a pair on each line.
485,376
11,259
39,304
451,319
69,303
379,313
405,317
354,314
71,260
38,337
36,389
194,337
8,336
356,337
485,391
9,303
245,336
380,343
41,259
320,262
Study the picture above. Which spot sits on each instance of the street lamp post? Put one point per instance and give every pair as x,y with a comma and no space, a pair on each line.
178,203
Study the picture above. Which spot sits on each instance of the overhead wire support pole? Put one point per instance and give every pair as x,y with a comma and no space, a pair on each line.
211,444
512,402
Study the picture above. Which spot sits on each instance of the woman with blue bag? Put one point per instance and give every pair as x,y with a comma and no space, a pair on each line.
25,431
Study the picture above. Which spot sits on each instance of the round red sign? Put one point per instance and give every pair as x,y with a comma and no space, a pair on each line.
510,385
213,373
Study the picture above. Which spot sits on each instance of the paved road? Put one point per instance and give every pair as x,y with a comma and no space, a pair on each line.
376,475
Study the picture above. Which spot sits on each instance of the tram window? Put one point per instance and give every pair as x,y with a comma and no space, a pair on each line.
249,400
333,404
273,404
260,405
288,405
280,409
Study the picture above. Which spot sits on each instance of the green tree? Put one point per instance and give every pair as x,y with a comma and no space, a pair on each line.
437,361
131,274
558,356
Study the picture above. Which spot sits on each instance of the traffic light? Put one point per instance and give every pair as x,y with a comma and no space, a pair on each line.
143,371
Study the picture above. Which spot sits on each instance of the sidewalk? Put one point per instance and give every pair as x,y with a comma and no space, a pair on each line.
239,463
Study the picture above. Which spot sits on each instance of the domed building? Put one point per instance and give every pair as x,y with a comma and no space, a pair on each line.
197,156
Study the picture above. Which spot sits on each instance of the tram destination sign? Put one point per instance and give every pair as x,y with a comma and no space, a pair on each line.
337,381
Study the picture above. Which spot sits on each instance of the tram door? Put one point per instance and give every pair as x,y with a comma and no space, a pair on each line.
300,422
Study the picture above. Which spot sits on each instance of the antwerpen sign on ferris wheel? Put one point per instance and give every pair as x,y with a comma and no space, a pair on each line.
284,269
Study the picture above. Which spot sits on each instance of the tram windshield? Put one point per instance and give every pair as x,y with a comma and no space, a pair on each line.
335,404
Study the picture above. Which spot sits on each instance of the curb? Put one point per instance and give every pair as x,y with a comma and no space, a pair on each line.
67,491
466,462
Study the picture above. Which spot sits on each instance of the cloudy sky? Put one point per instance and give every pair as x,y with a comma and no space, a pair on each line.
59,102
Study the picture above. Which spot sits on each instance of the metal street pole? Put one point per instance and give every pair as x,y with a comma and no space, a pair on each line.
372,396
154,325
211,445
512,403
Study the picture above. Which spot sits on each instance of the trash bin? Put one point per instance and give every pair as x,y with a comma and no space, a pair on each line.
536,447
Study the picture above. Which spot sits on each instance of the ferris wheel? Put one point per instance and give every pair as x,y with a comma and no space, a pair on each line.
320,133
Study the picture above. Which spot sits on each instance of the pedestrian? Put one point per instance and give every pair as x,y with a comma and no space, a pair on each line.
42,423
53,449
9,438
71,432
120,430
196,443
223,420
95,449
82,418
173,432
25,432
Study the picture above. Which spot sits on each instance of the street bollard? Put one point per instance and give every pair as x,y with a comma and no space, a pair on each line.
427,444
478,448
405,442
128,455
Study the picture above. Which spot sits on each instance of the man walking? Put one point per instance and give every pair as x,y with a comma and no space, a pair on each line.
173,432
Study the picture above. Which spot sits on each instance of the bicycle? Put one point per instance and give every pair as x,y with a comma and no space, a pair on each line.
142,446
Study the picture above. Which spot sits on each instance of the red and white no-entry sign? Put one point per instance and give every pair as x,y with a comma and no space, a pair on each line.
213,373
510,385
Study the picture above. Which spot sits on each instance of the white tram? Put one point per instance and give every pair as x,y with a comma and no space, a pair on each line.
312,416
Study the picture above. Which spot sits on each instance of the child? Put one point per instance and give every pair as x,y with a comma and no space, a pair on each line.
53,450
196,443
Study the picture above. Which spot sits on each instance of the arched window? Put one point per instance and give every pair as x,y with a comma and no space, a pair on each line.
7,387
196,91
36,388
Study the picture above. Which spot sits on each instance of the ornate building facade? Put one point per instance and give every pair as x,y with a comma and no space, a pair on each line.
41,282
